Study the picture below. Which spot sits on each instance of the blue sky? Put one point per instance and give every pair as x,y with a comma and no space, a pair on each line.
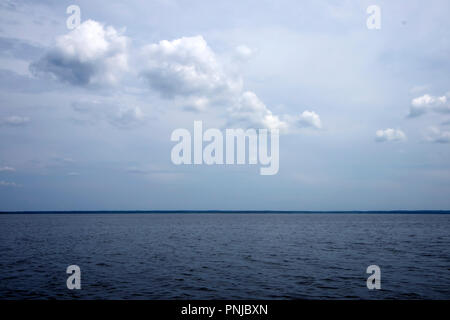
86,115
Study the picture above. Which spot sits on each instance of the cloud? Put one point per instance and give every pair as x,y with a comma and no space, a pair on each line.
91,112
62,160
252,111
56,161
11,81
436,135
185,70
188,68
305,120
420,88
18,49
8,184
136,170
428,103
390,135
243,52
152,170
126,117
7,169
91,54
14,121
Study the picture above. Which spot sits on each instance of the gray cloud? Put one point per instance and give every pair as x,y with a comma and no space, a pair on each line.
436,135
387,135
126,117
91,54
71,71
428,103
121,116
14,82
19,49
14,121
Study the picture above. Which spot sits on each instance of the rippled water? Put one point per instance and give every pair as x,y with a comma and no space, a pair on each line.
224,256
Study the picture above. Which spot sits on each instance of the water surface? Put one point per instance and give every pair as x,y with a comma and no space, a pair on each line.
225,256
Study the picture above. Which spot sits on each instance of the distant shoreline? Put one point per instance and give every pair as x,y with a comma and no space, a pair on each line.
227,212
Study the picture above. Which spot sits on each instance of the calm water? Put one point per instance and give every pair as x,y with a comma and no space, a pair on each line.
224,256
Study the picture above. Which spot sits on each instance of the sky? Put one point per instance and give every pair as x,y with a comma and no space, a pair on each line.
87,111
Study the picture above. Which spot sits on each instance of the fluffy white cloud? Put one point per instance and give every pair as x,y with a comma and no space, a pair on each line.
252,111
426,103
91,54
436,135
184,69
14,121
305,120
188,68
390,135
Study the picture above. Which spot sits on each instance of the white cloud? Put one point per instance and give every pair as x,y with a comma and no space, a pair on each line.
14,121
305,120
7,169
91,54
188,68
390,135
436,135
427,103
185,70
252,111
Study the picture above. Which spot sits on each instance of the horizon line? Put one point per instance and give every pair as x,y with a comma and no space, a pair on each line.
226,211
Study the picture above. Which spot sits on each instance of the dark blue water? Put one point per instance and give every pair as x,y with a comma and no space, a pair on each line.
224,256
